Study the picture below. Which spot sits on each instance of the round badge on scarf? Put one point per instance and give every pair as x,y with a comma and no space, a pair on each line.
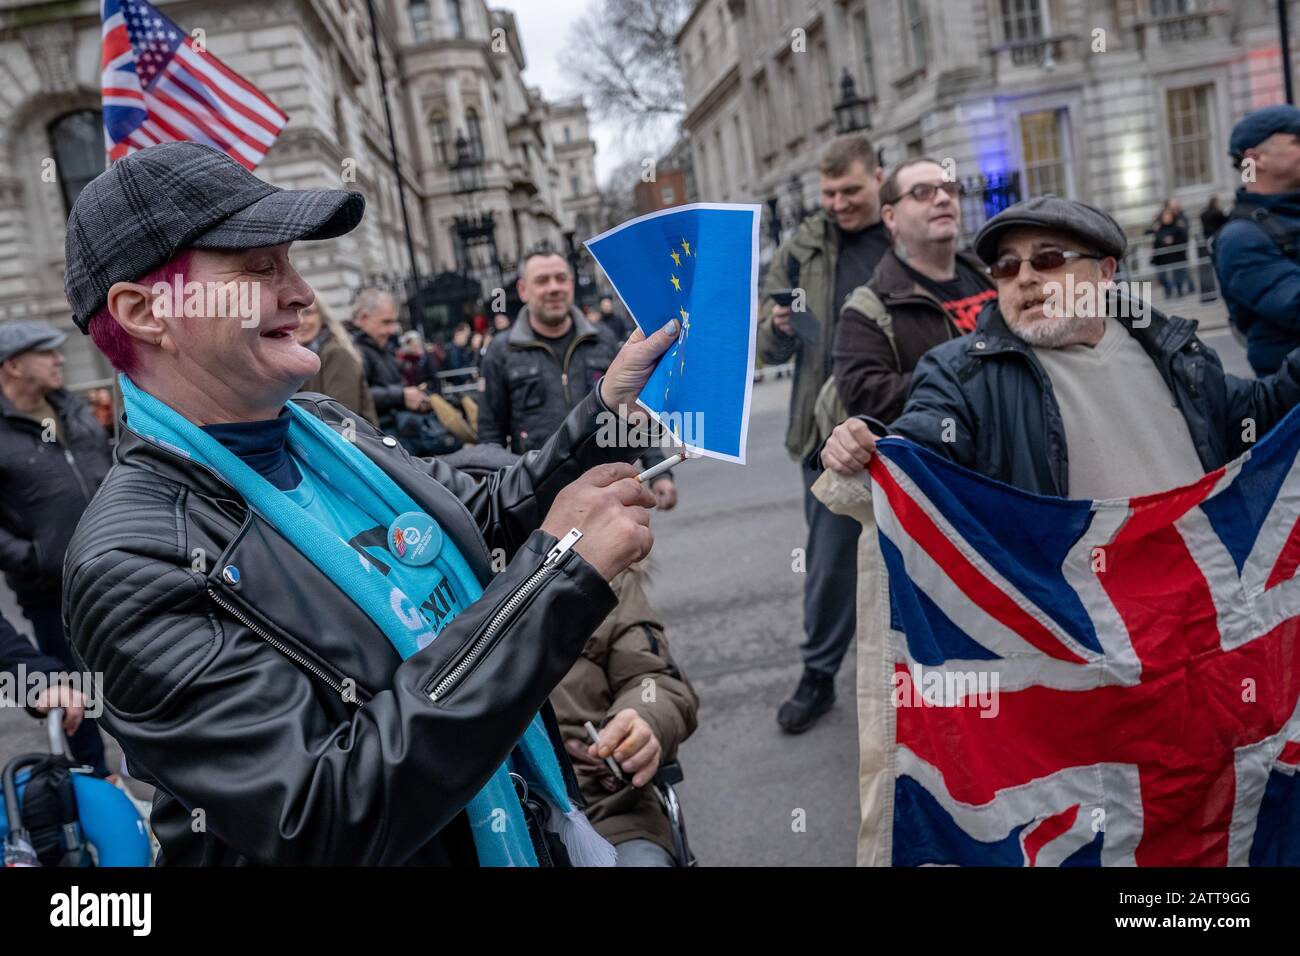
414,538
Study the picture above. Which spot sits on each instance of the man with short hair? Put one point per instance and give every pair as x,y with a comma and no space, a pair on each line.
374,313
53,456
1257,251
1060,390
534,374
831,253
924,292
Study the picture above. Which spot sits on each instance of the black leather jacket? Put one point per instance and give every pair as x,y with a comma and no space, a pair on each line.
277,722
47,486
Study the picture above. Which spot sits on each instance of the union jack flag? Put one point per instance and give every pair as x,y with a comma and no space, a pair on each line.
1090,682
158,88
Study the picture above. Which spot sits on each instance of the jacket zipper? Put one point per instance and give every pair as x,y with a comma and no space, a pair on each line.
502,615
279,645
564,369
81,481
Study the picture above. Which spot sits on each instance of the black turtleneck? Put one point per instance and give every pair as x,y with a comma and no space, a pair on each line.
263,446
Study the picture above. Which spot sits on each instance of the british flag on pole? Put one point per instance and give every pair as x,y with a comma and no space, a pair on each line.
158,86
1088,682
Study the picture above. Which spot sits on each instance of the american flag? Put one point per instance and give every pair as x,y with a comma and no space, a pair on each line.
1144,654
157,88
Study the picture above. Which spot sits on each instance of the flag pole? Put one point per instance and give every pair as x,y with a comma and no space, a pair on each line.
392,146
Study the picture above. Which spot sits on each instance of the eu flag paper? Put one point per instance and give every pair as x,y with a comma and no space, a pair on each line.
697,264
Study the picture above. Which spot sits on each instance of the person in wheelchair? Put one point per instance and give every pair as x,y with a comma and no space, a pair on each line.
627,685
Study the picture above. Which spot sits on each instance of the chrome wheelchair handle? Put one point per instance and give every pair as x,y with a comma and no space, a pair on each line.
54,731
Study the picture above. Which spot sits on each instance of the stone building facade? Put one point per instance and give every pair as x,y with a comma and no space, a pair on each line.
1120,104
453,70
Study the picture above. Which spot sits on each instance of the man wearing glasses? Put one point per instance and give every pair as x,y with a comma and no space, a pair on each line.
1068,401
923,293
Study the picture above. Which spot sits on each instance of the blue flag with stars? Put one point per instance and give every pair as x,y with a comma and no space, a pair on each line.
697,264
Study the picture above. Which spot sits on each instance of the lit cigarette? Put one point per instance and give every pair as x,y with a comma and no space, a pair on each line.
655,471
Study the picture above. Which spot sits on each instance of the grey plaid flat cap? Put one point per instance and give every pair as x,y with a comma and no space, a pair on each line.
27,336
1086,223
146,207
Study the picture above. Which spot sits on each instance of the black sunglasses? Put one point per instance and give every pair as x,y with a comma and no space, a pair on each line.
1049,260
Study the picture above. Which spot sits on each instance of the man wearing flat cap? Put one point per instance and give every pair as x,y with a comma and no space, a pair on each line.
1257,252
53,456
302,642
1062,389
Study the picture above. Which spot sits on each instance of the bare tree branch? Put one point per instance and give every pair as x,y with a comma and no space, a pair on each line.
620,55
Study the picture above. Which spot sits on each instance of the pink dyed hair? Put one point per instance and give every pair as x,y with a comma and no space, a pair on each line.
113,340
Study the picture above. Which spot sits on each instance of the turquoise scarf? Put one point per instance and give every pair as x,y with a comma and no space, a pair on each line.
497,821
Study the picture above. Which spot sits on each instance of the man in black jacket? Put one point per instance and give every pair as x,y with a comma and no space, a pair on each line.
23,663
276,720
375,316
1063,390
546,364
53,456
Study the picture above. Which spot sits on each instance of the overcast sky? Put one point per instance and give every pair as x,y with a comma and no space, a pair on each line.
544,29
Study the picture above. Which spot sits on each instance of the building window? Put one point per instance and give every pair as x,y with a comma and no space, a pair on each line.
724,167
474,133
421,24
438,130
575,187
742,163
1022,20
862,34
568,138
1043,145
916,42
766,130
704,169
1190,135
77,141
825,101
668,194
456,19
795,109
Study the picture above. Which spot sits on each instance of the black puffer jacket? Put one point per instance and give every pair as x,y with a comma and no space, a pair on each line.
46,486
277,722
384,376
993,394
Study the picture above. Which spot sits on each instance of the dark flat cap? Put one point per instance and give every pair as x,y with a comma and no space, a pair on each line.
19,337
1253,128
146,207
1085,223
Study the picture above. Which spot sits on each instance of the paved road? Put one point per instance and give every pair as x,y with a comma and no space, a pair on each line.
732,607
723,582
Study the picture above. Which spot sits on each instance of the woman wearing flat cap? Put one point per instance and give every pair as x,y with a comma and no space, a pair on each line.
302,644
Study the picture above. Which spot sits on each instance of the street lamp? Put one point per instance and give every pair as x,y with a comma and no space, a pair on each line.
852,112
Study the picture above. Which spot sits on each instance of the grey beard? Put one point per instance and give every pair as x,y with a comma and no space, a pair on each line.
1056,333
